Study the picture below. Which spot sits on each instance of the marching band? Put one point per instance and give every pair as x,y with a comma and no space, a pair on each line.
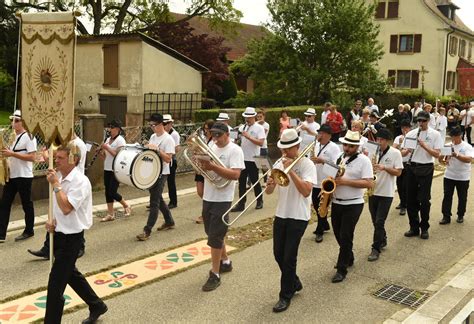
312,169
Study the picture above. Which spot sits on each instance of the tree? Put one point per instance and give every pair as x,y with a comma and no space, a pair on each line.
8,55
203,49
142,15
317,46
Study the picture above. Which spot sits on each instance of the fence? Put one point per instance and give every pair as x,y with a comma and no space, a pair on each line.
179,105
40,166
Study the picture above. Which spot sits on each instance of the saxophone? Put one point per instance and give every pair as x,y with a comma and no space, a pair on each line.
370,191
7,137
328,186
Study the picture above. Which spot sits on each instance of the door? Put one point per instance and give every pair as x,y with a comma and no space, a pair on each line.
114,107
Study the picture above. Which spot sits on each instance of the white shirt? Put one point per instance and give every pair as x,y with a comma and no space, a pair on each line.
307,138
83,149
397,141
78,190
166,144
175,136
414,112
291,203
232,157
457,170
359,168
385,185
441,123
330,153
109,158
364,141
432,123
23,144
466,117
266,128
250,149
372,108
431,137
324,115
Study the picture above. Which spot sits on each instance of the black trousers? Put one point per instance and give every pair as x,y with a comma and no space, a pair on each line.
344,219
418,199
323,224
467,132
287,234
23,187
461,188
64,272
379,207
157,203
402,186
250,171
111,187
45,248
172,183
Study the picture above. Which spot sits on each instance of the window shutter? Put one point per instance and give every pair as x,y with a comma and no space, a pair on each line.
393,43
392,9
417,46
448,80
391,77
380,11
110,65
414,79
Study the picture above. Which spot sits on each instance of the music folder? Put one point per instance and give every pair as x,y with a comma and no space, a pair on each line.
446,150
262,163
330,169
410,143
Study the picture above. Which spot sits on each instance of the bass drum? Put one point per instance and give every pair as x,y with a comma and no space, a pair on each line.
137,166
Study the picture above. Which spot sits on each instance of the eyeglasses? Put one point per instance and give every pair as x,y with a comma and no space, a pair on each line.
214,134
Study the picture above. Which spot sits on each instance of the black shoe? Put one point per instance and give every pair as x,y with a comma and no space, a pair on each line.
171,206
403,211
399,206
165,226
411,233
338,277
460,220
319,238
259,205
147,206
212,282
238,208
445,221
383,245
424,235
225,267
327,227
95,314
39,254
81,253
23,236
374,255
281,306
298,286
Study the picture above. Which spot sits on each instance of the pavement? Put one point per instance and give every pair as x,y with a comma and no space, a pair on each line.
248,293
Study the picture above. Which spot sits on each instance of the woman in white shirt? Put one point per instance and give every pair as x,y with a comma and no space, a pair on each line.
110,148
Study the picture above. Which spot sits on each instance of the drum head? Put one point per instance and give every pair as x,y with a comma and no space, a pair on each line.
146,169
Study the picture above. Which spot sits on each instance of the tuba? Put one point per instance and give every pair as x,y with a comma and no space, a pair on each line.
197,147
328,186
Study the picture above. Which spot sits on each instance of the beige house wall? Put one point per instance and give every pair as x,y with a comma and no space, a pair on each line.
416,18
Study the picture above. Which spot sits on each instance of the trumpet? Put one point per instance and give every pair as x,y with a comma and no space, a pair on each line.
280,176
195,147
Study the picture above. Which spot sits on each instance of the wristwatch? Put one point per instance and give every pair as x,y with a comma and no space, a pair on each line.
57,189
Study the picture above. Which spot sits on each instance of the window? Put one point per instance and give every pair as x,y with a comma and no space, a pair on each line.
404,78
451,80
410,43
387,9
453,45
469,52
111,71
462,48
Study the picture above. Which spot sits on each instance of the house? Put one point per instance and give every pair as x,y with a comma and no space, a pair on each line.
237,42
426,45
130,75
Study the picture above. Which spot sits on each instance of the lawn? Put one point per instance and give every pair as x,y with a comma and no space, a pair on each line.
4,117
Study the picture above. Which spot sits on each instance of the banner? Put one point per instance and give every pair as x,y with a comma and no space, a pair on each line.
466,82
47,74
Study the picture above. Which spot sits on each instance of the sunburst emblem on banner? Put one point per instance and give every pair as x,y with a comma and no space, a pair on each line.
45,79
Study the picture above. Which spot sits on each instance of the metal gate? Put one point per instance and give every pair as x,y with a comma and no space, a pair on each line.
178,105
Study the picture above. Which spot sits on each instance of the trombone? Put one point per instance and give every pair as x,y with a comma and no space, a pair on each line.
280,176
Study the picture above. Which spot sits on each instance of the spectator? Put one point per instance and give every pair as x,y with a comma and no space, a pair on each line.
335,121
371,106
284,121
325,113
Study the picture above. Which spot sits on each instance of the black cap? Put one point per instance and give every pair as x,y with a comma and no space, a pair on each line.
423,115
219,127
115,124
405,123
384,133
157,118
325,129
455,131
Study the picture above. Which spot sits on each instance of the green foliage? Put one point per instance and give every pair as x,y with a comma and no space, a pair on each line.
317,46
393,99
5,117
5,78
229,89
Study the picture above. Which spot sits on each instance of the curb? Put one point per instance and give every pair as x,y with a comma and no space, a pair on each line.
40,220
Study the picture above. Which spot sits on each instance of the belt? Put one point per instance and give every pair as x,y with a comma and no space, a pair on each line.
348,199
416,164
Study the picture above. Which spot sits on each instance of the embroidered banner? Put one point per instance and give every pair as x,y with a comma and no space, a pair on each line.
466,82
47,74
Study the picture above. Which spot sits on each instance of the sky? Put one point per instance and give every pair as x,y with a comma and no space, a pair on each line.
255,11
